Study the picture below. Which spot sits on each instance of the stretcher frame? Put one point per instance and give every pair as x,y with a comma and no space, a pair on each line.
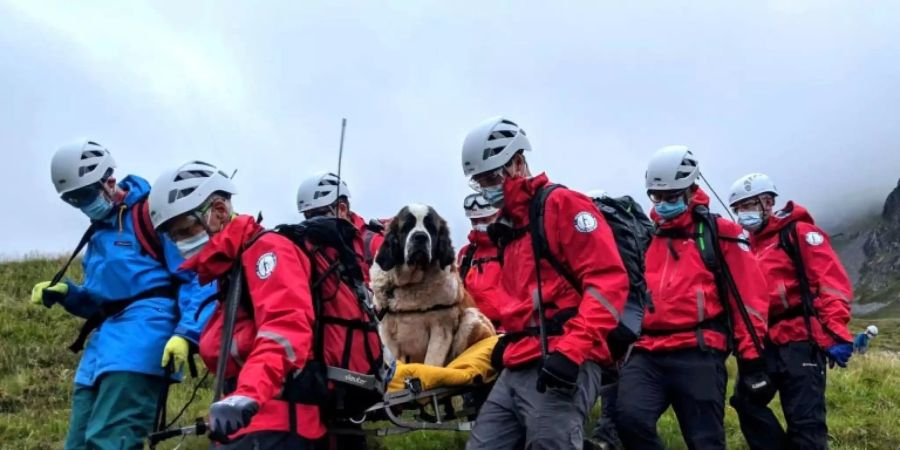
392,408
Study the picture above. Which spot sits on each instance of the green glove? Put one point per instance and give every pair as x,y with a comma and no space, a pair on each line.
44,294
177,350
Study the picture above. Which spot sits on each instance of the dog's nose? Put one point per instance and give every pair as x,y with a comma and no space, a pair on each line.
420,238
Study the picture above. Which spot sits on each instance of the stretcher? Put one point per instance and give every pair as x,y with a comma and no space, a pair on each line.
418,397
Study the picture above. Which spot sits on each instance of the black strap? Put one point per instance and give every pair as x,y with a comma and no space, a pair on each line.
789,242
466,263
368,257
711,252
85,238
232,302
716,323
539,240
110,309
423,310
554,326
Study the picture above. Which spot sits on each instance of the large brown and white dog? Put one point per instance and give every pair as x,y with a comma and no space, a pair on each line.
428,315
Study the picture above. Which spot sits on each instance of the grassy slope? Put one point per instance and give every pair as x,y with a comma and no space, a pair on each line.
36,372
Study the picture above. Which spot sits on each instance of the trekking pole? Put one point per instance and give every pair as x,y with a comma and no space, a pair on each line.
716,194
232,300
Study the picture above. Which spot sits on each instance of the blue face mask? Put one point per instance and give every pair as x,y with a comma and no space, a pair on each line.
98,209
494,195
668,210
750,220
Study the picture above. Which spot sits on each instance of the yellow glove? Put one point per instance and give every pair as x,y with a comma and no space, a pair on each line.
177,350
43,294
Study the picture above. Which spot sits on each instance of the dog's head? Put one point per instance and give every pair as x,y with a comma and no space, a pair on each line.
417,237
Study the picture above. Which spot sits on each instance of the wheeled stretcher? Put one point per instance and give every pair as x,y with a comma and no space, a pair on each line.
418,397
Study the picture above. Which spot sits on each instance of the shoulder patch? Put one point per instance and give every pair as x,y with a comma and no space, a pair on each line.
265,265
814,238
585,222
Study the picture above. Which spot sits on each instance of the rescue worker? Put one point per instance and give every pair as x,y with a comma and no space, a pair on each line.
319,195
142,310
861,343
275,329
540,401
679,360
478,262
799,340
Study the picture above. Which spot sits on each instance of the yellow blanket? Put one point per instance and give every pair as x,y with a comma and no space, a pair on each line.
473,366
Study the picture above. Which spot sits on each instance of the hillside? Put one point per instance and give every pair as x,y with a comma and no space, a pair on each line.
36,371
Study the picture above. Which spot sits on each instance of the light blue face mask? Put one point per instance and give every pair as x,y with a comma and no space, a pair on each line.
669,211
98,209
750,220
494,195
191,246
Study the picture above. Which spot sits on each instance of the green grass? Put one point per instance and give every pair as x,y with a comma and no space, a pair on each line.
36,373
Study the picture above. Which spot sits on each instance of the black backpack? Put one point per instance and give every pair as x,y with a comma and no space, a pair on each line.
633,231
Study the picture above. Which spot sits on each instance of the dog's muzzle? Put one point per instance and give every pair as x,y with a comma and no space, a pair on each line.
418,249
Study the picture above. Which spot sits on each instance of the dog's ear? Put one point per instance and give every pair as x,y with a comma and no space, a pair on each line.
390,254
443,245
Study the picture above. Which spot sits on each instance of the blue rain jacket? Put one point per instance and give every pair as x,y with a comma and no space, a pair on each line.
115,268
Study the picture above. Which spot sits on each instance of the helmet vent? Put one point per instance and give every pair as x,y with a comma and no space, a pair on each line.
86,169
188,174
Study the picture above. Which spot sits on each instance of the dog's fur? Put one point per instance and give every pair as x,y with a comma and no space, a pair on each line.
429,317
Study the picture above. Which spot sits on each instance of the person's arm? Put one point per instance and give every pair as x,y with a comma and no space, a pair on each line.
828,282
191,295
581,239
277,275
751,285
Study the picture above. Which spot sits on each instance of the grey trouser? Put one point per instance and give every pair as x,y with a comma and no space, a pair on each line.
516,415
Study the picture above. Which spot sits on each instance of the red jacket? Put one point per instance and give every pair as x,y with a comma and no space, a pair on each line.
278,338
828,280
581,240
483,279
684,291
366,244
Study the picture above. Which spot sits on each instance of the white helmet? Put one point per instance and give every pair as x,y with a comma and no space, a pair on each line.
672,168
185,189
750,186
491,145
320,190
79,164
477,207
596,194
872,330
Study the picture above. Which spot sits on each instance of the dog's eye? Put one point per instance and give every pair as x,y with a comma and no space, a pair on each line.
429,224
408,224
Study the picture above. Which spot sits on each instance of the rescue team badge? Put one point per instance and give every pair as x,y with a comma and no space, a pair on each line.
814,238
265,265
585,222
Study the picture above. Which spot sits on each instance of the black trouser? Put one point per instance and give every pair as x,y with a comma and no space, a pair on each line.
605,428
271,440
692,381
798,371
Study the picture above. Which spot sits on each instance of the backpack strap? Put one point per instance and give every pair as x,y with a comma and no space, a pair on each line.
466,263
539,242
146,235
85,238
708,240
789,242
368,256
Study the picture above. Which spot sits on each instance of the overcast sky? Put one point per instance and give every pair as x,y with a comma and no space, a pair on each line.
805,90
